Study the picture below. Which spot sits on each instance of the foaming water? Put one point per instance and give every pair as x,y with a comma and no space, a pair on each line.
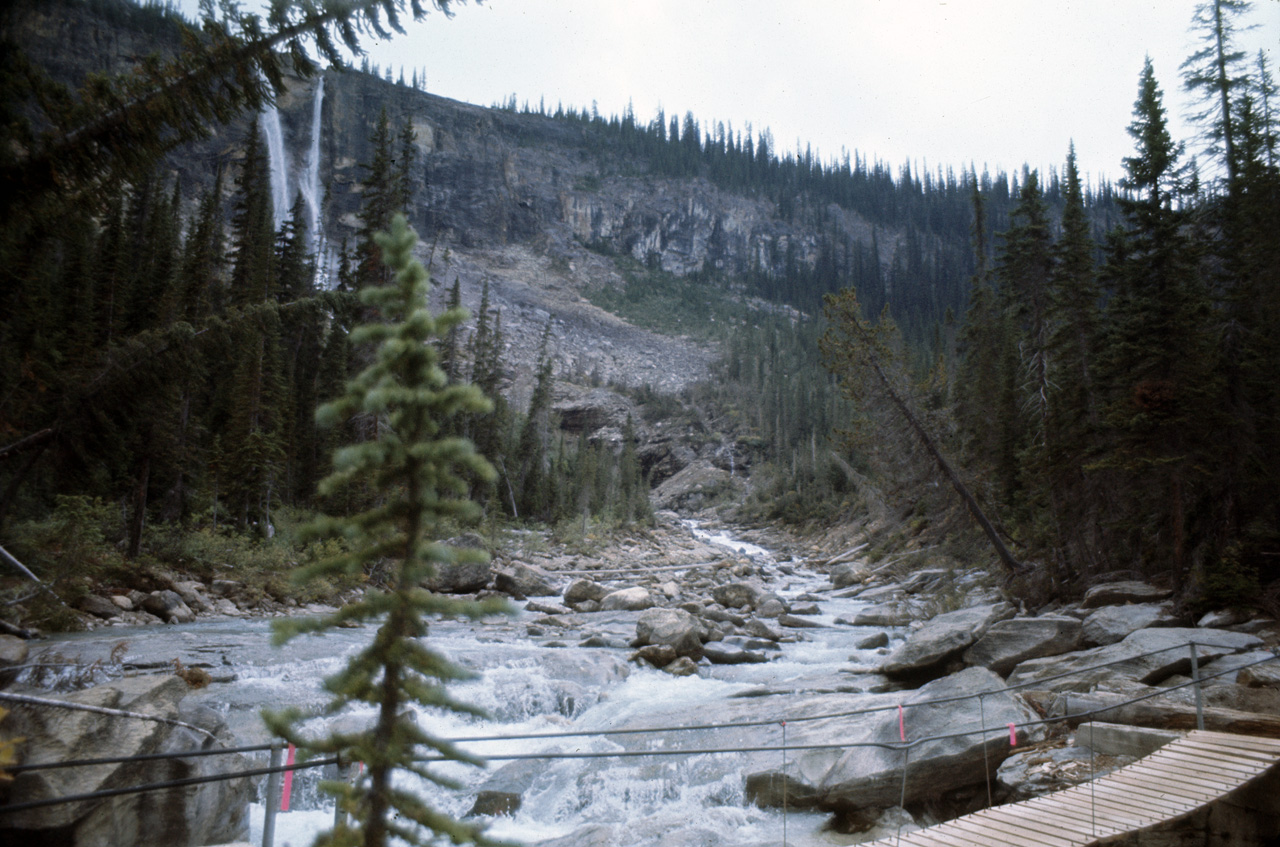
531,689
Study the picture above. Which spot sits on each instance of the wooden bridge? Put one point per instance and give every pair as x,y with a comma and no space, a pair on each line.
1184,777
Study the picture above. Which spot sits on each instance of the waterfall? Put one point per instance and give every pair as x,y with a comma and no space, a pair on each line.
309,179
279,162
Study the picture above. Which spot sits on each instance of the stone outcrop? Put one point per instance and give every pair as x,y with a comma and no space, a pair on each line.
520,580
1148,656
943,638
213,813
1110,624
1128,591
872,775
675,628
1007,643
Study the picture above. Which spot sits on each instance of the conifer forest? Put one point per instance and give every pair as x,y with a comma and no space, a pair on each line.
1098,364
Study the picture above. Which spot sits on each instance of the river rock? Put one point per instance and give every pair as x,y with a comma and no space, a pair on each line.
634,599
719,615
581,590
682,666
674,627
721,653
759,629
213,813
1008,642
737,595
168,606
192,593
885,614
872,776
871,642
847,574
1128,591
521,580
658,655
1034,772
493,803
1110,624
464,577
99,607
942,638
797,622
1131,661
771,607
13,653
1223,618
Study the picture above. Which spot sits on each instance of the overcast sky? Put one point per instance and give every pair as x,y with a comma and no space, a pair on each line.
988,82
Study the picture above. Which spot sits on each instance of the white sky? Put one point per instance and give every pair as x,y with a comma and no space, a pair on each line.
987,82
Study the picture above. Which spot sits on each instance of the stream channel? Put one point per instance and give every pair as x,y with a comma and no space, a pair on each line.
533,684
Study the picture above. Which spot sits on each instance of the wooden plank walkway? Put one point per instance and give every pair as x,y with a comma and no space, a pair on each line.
1174,781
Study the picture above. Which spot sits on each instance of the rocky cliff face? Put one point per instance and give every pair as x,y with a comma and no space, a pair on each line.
526,203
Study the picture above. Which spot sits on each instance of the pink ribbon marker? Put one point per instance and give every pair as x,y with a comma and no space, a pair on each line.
1013,736
288,781
902,726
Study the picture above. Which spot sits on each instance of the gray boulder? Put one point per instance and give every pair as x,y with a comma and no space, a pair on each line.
1008,642
465,577
885,614
847,574
673,627
583,590
737,595
1148,656
872,775
720,653
168,606
1110,624
942,638
192,593
1128,591
212,813
99,607
520,580
634,599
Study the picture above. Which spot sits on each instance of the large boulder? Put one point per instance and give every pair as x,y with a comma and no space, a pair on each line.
1008,642
584,590
1148,656
872,775
99,607
1110,624
634,599
211,813
737,595
520,580
885,614
942,638
193,594
1127,591
460,577
168,606
673,627
847,574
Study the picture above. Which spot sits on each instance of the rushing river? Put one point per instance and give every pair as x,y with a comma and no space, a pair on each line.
546,683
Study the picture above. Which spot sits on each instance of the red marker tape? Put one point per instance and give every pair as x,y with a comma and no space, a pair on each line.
902,726
288,781
1013,736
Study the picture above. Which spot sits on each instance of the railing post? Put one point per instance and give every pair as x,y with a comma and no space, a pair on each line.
272,800
1195,677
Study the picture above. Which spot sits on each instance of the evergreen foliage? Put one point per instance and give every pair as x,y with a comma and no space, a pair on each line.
424,479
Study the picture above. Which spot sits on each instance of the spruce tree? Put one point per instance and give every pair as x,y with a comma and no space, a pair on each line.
1159,361
424,479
